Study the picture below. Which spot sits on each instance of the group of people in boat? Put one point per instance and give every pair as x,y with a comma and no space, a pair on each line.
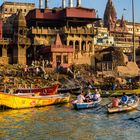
124,100
88,97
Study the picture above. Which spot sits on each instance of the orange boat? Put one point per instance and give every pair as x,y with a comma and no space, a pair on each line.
43,91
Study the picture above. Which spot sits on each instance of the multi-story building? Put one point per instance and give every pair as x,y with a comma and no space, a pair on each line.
8,12
9,8
59,35
121,30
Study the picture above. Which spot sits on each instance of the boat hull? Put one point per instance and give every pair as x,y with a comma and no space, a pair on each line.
74,90
43,91
86,105
18,102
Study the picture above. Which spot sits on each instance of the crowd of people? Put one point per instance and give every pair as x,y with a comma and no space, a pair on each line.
89,96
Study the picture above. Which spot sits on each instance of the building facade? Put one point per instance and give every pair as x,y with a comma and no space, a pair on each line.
58,35
71,25
7,9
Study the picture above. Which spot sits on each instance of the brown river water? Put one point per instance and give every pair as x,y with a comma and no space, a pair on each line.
61,122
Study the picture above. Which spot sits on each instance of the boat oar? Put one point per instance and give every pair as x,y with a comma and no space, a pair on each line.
105,104
133,118
102,106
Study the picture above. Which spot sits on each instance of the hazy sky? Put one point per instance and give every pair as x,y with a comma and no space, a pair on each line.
99,5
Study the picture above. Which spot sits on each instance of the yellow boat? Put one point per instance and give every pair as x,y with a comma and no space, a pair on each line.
18,101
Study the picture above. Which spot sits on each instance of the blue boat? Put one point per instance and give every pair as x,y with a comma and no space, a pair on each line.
85,105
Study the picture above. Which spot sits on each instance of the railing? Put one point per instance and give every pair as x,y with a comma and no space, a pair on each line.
62,30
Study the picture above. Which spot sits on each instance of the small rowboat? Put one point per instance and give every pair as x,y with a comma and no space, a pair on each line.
85,105
131,105
43,91
17,101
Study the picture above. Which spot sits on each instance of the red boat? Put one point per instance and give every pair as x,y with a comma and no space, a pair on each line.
42,91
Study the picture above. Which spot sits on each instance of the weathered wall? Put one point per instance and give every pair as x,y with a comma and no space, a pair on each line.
1,24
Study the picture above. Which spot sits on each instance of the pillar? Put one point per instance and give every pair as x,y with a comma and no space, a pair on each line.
63,3
70,3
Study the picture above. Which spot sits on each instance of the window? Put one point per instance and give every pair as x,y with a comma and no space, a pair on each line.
65,59
5,9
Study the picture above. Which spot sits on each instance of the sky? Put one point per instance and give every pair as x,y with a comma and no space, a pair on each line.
99,6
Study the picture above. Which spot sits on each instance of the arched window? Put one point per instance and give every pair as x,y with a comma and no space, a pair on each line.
83,48
71,43
77,45
90,46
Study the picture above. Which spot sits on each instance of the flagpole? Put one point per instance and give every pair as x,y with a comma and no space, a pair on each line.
133,38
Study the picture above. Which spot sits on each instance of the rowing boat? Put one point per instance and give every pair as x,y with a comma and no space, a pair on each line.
51,90
16,101
85,105
131,105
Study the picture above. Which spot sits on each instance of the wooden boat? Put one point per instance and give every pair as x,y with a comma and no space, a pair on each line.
128,92
131,105
16,101
85,105
73,89
43,91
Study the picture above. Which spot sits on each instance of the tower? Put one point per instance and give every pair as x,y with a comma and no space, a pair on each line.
110,15
19,48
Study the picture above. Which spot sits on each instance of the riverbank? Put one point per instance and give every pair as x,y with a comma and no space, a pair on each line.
18,76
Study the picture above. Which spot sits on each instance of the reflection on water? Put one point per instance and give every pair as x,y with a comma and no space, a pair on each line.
64,123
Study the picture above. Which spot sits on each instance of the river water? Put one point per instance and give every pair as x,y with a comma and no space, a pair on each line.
61,122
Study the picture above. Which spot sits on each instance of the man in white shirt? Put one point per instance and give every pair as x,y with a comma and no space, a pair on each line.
80,98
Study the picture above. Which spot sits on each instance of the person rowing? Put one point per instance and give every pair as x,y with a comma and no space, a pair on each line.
115,102
124,99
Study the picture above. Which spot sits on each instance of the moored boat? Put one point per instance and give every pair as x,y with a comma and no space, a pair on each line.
73,89
16,101
86,105
51,90
131,105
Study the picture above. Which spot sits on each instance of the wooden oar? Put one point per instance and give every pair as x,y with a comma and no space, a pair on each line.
134,118
105,104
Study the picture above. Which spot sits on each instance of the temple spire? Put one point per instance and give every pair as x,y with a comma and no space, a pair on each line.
123,24
58,41
110,12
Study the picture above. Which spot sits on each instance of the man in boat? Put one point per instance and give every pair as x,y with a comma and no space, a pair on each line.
115,102
81,98
124,99
133,98
89,95
96,95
